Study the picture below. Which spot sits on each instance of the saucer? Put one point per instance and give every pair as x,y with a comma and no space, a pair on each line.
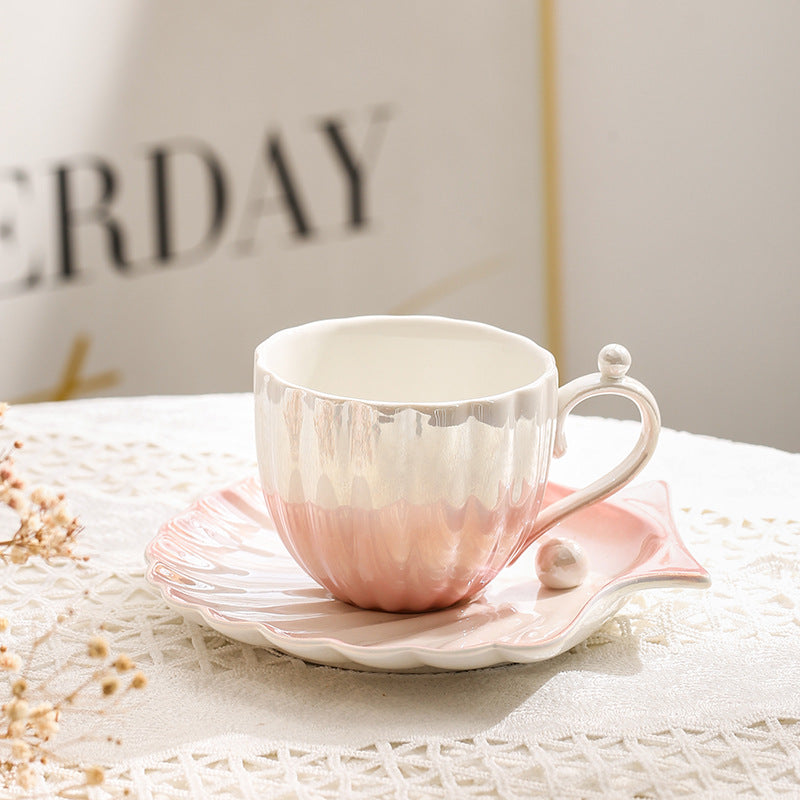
222,564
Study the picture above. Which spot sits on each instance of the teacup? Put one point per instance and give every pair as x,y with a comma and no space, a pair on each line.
404,459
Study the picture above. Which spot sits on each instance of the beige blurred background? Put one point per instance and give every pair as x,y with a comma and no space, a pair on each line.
580,172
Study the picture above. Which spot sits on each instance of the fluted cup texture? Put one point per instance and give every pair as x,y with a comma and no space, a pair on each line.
408,502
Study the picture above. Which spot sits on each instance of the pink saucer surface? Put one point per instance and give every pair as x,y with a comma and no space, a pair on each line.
222,564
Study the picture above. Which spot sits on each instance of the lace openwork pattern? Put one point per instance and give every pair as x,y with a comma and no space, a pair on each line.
674,763
681,694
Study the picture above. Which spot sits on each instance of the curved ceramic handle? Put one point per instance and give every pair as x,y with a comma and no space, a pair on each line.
613,362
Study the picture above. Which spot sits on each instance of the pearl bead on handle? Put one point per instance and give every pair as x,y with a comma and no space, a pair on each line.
614,361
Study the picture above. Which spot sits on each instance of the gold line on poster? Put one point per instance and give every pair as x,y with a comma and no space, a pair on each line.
426,297
71,384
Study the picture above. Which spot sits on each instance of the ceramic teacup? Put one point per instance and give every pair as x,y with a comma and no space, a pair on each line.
404,459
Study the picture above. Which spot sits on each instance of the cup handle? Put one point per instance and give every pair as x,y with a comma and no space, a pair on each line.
613,362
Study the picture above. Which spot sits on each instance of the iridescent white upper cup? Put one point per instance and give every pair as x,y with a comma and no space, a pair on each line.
404,459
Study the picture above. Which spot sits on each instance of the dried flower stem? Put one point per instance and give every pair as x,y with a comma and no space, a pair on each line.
46,528
30,716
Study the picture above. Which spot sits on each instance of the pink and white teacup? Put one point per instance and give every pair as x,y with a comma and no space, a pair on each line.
404,459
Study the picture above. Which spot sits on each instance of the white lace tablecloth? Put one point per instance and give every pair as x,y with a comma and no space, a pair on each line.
684,693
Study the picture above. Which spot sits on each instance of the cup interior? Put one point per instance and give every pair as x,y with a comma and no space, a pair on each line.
411,359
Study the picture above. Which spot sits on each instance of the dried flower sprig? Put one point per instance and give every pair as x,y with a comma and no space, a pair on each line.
47,528
30,713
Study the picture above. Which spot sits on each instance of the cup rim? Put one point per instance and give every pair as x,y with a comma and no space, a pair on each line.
550,370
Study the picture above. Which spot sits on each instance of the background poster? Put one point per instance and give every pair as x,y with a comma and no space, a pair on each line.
179,180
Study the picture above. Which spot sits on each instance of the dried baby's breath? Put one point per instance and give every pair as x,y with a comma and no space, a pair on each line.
94,776
139,681
46,527
123,663
30,717
10,662
29,713
98,647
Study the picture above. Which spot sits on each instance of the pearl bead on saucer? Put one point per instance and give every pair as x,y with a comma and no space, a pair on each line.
561,564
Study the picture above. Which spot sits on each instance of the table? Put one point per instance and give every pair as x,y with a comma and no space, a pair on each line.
683,693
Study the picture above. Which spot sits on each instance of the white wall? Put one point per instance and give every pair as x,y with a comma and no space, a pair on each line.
680,136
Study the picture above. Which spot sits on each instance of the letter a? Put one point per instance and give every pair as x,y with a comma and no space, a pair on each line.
288,199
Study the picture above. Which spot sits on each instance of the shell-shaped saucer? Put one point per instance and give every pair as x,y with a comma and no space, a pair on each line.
221,563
